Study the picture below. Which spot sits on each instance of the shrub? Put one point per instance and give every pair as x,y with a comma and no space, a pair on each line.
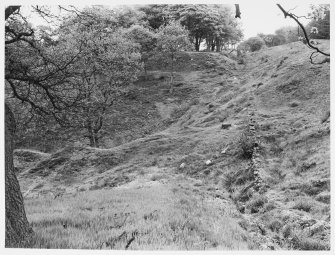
255,43
287,231
242,48
311,244
229,180
275,225
256,203
323,197
244,224
246,144
237,178
269,206
304,205
277,173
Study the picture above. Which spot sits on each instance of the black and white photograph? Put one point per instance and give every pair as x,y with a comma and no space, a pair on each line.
174,126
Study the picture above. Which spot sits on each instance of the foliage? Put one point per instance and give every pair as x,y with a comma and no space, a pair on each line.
127,16
255,43
246,144
156,15
304,205
273,40
76,76
256,203
172,39
214,24
320,15
107,63
289,33
194,17
145,38
275,225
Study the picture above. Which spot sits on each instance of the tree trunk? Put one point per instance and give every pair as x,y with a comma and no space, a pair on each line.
218,45
208,44
92,136
18,231
197,43
213,46
93,140
145,70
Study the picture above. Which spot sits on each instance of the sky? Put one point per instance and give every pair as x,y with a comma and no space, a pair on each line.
257,16
267,17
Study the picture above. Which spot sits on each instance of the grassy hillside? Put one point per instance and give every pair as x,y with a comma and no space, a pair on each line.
230,157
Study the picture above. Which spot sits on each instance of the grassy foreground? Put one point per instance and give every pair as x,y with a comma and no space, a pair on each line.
151,215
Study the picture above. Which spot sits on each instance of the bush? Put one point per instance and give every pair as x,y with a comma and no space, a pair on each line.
287,231
311,244
304,205
275,225
244,224
229,180
246,144
270,206
256,203
255,43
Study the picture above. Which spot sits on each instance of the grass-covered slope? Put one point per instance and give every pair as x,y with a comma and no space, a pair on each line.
180,169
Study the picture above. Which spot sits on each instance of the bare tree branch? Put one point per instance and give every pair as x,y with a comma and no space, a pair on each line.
292,16
17,36
10,10
238,12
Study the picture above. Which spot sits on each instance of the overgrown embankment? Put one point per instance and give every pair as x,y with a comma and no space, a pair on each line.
247,137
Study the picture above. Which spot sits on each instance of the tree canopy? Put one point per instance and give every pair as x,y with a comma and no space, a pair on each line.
213,24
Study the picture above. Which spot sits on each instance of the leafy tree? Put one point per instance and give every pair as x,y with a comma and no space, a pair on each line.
18,230
145,38
196,18
290,33
272,40
227,29
213,23
127,16
171,40
156,15
320,20
103,62
255,43
71,78
107,64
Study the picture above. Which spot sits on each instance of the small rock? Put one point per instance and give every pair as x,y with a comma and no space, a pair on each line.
182,166
306,221
224,150
225,125
208,163
293,104
179,84
271,246
323,197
